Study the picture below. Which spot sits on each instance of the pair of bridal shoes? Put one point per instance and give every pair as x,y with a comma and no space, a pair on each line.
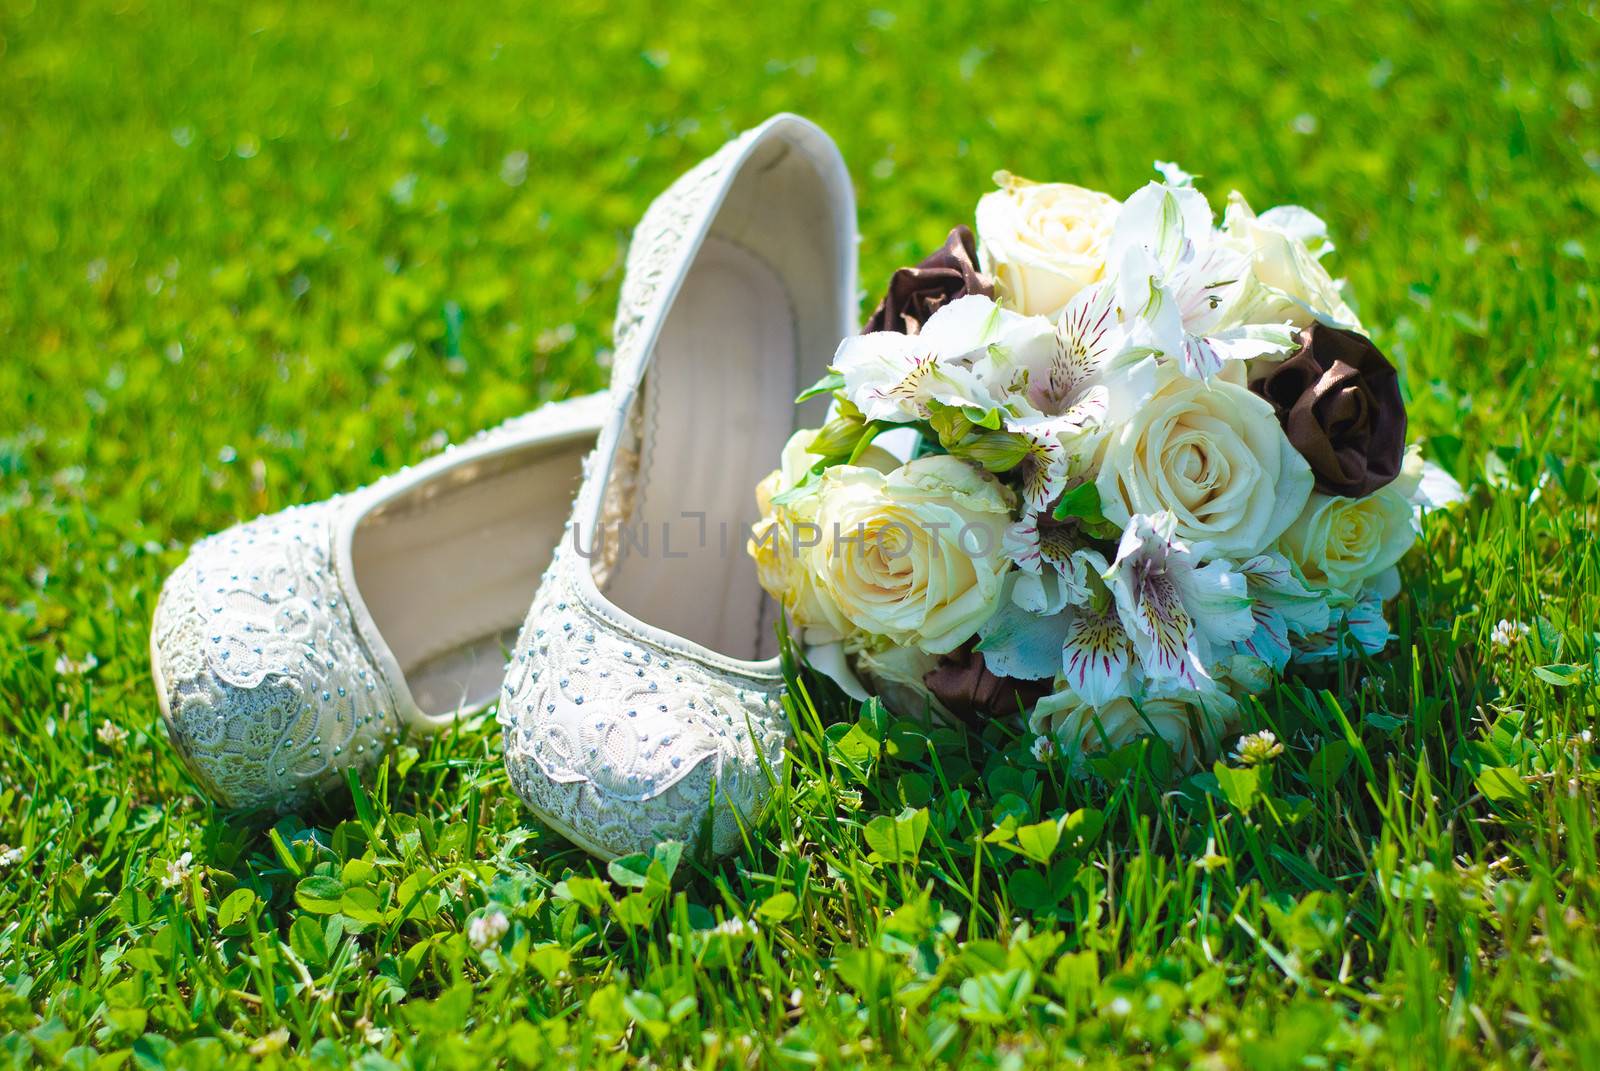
640,700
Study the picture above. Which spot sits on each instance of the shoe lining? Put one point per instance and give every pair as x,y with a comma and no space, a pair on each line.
718,406
447,569
755,321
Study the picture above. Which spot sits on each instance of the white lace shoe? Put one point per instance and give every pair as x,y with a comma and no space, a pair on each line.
297,645
642,701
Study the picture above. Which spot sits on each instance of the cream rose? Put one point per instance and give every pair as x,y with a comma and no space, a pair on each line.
1339,543
1286,280
779,540
913,557
1212,455
1192,727
1043,241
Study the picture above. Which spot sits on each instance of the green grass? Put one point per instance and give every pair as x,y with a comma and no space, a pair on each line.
257,253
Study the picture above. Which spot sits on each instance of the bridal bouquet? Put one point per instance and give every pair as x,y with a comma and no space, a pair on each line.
1110,466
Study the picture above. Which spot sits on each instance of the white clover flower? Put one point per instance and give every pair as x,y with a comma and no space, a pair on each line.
1507,634
71,667
487,929
110,734
736,927
177,871
9,856
1257,749
1043,748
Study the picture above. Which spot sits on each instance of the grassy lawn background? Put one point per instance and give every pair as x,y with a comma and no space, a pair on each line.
253,254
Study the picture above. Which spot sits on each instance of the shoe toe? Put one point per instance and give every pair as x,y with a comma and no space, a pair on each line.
619,744
266,691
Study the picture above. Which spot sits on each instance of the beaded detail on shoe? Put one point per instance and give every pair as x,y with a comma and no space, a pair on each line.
613,736
267,692
619,742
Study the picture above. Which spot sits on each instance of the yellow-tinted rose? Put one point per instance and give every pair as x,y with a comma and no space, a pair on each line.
913,557
1339,543
779,540
1043,241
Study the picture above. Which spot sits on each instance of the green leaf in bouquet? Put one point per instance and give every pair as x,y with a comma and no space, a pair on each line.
984,418
1081,502
869,433
807,484
826,385
953,423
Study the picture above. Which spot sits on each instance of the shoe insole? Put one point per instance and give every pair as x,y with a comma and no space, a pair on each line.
718,406
448,569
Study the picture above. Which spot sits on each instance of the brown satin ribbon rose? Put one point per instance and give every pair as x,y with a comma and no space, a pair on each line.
972,693
917,293
1338,399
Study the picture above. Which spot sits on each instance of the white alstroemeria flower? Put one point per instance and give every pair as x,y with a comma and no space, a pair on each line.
1057,449
1173,174
1016,642
1046,369
893,377
1356,629
1052,572
1097,657
1285,279
975,353
1281,605
1436,488
1050,380
1174,281
1177,612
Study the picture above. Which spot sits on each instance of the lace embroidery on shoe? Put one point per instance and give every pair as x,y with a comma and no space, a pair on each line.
270,695
613,739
